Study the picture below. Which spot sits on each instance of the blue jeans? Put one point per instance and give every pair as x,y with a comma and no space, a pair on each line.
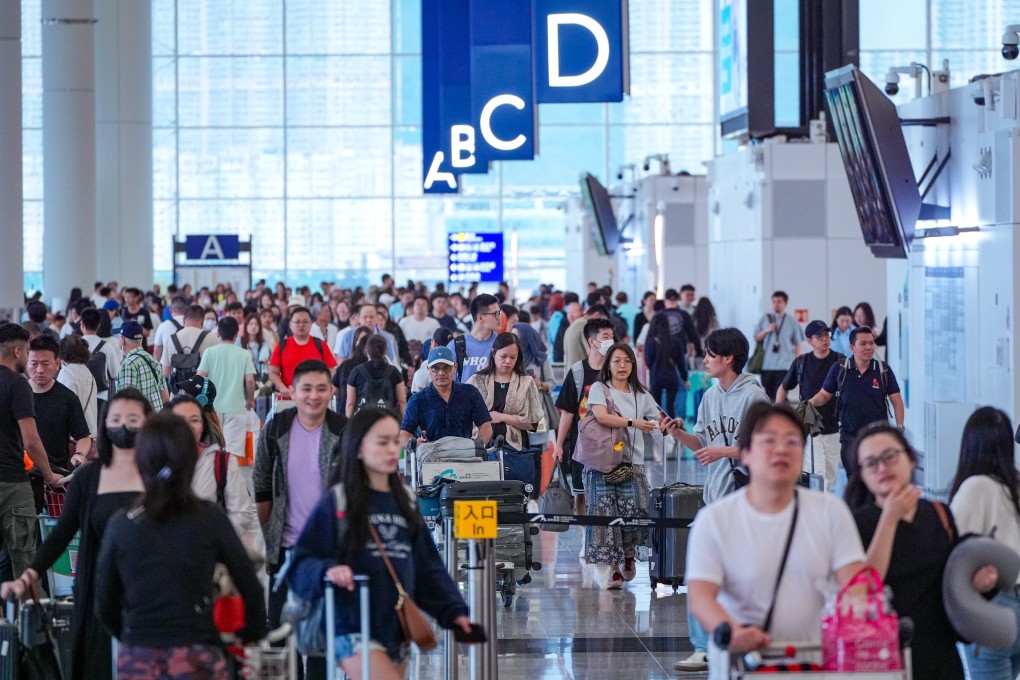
997,664
699,636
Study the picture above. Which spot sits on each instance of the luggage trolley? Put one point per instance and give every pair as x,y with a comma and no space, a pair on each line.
772,659
60,577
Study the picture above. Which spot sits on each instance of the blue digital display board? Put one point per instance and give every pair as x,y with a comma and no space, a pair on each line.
475,257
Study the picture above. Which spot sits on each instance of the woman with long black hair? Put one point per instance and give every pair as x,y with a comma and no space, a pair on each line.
379,516
365,383
985,496
98,490
666,362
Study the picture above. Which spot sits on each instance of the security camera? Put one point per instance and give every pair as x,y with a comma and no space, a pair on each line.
619,174
892,83
646,166
676,185
1010,42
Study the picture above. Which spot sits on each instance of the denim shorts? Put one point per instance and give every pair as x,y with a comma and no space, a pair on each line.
348,645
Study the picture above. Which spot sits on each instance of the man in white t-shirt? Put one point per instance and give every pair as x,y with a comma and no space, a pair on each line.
90,319
188,338
167,328
419,325
736,548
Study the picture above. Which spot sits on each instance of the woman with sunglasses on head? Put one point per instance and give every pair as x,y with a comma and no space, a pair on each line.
623,492
908,542
154,579
380,518
985,498
98,490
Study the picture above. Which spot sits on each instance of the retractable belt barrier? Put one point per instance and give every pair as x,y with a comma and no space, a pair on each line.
595,520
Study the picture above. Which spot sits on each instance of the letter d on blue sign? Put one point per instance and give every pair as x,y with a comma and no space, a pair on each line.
582,51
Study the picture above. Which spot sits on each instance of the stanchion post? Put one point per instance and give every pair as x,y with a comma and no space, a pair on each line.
330,630
450,552
490,612
476,602
361,581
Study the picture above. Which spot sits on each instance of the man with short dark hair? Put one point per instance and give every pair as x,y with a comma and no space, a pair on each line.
863,387
687,295
781,337
300,346
440,305
462,311
599,336
175,322
418,326
446,408
575,347
808,372
364,315
133,311
472,350
192,339
298,452
236,310
110,347
231,370
714,439
684,342
19,434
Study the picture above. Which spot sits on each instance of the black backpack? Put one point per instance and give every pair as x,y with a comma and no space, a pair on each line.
220,467
97,366
377,392
184,365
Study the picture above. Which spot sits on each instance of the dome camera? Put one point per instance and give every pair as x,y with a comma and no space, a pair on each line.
1010,42
646,166
619,174
892,83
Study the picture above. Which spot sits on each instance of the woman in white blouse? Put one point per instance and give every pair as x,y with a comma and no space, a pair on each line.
76,376
985,497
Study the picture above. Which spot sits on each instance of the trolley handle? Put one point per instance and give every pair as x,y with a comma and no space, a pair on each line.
722,635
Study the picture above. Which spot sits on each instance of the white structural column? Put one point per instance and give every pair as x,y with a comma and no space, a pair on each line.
124,141
69,146
11,196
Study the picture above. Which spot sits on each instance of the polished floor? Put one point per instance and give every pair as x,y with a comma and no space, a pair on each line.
566,625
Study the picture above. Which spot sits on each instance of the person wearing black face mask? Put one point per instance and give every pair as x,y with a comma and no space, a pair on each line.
98,491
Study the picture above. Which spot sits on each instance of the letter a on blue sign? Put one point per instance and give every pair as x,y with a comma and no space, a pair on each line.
581,51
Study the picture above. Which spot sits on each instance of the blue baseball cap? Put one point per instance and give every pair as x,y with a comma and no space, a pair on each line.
111,305
132,331
441,355
816,327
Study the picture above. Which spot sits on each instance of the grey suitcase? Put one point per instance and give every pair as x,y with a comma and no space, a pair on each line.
669,546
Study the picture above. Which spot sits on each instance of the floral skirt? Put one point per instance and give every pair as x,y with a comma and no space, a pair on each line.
193,662
607,545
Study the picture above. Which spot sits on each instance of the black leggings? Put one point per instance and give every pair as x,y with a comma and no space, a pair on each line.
669,404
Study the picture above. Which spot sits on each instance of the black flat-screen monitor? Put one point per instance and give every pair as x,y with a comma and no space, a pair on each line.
605,232
874,151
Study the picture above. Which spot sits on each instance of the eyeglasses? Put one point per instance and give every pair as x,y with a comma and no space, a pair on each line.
621,361
498,313
768,441
887,458
440,368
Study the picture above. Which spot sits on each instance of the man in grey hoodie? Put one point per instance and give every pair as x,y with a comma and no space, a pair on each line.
714,438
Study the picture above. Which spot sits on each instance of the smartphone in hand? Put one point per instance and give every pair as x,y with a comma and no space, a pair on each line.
476,636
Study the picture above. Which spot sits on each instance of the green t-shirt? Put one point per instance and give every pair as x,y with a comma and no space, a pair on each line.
226,366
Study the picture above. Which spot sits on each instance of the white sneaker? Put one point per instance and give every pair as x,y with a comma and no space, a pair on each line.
696,662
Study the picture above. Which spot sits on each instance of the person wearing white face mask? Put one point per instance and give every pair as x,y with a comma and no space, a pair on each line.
573,400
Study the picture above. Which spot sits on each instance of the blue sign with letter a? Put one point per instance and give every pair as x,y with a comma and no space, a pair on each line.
212,247
581,51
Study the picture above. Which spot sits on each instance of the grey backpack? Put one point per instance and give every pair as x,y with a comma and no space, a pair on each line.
555,500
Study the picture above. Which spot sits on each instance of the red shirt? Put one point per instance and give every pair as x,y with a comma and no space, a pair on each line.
295,353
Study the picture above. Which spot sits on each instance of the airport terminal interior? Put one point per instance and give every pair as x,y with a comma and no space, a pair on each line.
848,168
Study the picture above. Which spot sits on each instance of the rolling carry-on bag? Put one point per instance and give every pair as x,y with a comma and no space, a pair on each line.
366,627
9,645
669,546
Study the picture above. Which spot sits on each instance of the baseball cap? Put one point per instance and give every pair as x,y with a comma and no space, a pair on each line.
131,330
671,294
111,305
296,301
816,327
441,355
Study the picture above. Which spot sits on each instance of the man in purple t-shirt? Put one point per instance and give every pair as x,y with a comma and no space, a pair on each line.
299,448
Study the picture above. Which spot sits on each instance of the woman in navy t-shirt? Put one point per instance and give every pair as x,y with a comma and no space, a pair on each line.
338,543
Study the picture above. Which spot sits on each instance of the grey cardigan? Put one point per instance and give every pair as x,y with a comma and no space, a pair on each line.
269,476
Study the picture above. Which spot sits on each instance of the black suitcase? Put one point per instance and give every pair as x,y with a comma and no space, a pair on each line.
669,546
510,495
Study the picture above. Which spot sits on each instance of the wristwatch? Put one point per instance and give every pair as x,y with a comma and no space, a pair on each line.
630,422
